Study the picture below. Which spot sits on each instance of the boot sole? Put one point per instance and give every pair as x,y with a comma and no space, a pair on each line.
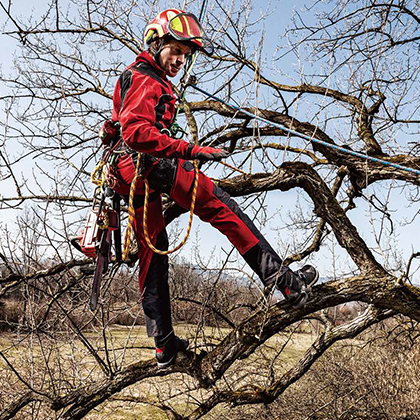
312,283
163,365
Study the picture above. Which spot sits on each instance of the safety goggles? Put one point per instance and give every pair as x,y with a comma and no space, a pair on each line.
185,27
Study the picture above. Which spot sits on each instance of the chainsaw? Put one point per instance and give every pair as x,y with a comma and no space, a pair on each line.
95,240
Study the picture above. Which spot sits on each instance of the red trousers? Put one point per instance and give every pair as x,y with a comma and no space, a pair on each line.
175,177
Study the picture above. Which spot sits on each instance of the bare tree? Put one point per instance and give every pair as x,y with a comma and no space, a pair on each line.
339,129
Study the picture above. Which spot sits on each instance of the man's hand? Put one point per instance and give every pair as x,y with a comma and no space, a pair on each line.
206,153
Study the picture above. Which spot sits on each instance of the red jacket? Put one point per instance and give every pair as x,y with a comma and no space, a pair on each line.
144,104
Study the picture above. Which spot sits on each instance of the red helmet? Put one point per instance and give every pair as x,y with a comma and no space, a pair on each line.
182,26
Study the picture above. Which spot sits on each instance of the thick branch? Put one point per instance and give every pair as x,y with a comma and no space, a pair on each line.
316,242
364,125
298,174
383,292
15,406
357,166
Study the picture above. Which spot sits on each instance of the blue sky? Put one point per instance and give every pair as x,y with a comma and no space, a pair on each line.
279,203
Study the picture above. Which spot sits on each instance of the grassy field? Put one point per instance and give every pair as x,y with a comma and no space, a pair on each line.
179,391
67,362
361,378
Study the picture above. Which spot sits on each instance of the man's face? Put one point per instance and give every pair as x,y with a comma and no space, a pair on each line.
172,57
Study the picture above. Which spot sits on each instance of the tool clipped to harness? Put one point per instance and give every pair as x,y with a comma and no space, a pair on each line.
175,131
189,80
193,199
103,219
95,240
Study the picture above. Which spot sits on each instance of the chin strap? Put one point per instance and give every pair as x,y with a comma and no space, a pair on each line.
156,51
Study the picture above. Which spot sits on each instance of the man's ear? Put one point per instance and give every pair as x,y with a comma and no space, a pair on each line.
153,46
156,46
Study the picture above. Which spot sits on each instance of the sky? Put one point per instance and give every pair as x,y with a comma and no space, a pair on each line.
279,203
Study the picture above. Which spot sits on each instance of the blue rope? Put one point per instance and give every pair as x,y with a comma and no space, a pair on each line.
311,139
202,11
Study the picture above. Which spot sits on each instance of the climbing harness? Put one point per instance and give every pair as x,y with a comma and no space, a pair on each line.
193,199
174,131
131,213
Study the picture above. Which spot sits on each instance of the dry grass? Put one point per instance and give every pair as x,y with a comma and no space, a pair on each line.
354,380
75,367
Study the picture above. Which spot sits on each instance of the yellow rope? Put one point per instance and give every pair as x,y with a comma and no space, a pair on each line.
132,214
131,211
146,202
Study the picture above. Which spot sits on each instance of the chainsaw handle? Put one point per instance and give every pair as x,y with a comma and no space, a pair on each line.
75,241
101,267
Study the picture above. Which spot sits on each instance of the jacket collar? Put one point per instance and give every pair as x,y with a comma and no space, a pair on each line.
145,56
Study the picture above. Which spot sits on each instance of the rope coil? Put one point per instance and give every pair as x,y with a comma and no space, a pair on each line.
193,199
132,213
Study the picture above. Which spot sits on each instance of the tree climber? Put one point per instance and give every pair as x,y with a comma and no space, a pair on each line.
144,105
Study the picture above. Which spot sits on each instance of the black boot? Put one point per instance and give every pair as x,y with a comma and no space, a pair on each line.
167,348
295,285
